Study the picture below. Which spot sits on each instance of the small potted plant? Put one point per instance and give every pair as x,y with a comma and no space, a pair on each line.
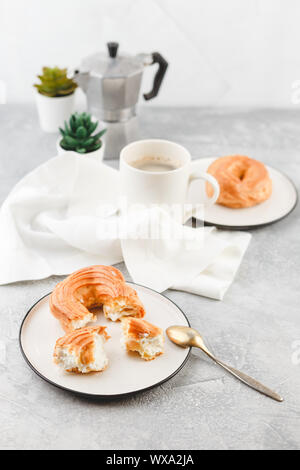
55,98
77,137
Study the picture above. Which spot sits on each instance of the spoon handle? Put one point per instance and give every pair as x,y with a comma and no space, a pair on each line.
246,379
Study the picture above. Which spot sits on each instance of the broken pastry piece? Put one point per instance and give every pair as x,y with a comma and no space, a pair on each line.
82,351
143,337
94,286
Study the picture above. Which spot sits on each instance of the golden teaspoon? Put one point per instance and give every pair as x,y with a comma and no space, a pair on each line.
188,337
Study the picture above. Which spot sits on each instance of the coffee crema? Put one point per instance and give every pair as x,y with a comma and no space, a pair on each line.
155,164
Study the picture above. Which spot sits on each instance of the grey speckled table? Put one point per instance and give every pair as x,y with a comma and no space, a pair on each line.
256,327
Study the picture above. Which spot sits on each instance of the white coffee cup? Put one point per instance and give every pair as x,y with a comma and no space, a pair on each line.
164,188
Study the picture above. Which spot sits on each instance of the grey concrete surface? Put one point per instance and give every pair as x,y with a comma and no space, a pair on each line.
256,328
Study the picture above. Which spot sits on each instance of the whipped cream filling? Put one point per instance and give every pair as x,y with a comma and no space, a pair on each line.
117,311
69,360
152,346
76,324
149,347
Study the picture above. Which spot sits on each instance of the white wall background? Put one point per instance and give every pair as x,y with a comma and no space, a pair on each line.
221,52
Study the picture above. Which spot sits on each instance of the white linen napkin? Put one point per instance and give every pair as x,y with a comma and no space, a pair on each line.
64,215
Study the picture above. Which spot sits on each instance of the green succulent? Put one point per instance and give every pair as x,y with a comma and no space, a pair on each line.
77,136
54,82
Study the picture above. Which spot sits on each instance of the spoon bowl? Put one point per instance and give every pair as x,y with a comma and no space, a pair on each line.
186,337
182,335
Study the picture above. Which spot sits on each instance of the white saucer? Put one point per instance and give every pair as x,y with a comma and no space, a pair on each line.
283,200
127,373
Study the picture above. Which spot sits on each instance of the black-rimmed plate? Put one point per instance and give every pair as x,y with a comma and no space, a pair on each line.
126,373
282,202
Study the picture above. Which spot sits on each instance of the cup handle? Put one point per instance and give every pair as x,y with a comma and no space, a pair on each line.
196,175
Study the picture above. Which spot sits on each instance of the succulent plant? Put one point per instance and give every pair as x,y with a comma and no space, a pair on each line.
54,82
77,136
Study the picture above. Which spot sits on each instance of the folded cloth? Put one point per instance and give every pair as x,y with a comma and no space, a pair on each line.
64,215
205,264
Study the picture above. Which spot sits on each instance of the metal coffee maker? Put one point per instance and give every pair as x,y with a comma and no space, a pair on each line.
112,85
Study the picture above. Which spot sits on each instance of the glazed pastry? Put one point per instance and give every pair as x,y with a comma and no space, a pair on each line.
82,351
143,337
95,286
243,182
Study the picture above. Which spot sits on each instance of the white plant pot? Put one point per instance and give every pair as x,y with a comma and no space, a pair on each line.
54,111
96,155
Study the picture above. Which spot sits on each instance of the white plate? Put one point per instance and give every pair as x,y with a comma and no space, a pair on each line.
282,201
126,373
